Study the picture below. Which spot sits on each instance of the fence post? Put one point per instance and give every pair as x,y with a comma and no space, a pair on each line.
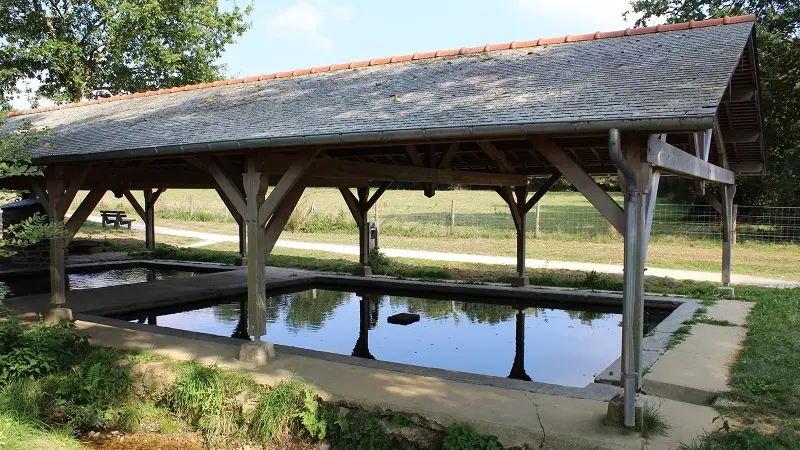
538,213
191,206
735,222
377,226
452,216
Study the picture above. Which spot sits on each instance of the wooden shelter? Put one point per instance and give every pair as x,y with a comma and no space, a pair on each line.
678,99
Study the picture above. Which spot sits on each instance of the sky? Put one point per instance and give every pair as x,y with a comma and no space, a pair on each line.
295,34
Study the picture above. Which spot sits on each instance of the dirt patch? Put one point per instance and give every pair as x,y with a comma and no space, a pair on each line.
178,441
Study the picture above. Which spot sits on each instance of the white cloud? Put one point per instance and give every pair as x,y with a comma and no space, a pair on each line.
578,16
307,21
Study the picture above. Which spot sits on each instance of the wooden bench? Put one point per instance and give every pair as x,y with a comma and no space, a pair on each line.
115,218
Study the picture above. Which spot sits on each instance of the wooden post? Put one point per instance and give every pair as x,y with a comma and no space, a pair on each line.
149,220
452,216
256,296
376,216
58,282
735,224
538,214
243,242
363,243
521,193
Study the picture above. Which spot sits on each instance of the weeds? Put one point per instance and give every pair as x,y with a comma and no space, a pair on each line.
462,436
197,392
746,439
285,408
653,423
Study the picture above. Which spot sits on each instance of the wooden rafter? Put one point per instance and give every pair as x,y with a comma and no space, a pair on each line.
497,156
414,156
582,181
447,156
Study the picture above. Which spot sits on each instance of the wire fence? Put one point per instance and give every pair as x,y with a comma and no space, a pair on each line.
773,225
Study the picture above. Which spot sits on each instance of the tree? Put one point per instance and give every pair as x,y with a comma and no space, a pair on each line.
778,33
91,48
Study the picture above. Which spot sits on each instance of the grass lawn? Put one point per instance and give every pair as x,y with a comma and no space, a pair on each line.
774,261
765,378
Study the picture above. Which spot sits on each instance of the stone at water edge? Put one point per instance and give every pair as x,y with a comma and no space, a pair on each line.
403,318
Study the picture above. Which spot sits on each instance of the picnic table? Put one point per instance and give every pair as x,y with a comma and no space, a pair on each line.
115,218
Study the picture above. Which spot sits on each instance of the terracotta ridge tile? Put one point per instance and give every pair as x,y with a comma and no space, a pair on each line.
692,24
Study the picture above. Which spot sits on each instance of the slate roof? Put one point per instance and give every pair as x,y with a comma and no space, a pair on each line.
677,73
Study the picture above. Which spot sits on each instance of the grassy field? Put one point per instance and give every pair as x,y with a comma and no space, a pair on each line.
588,237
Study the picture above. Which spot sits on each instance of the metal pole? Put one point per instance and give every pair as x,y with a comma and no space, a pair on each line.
632,203
538,212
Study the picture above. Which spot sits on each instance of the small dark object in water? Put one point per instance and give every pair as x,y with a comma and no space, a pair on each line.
403,318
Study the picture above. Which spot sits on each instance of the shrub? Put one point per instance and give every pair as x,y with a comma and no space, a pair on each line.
39,351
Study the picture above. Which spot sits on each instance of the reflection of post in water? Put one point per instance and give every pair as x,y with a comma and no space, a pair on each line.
361,349
241,327
518,369
374,307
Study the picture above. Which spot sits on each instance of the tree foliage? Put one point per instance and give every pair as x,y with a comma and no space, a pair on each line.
88,48
778,36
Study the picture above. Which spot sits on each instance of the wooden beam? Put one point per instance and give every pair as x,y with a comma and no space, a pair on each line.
226,183
135,203
40,191
675,160
287,182
278,220
741,136
507,195
391,172
497,156
720,142
157,194
72,189
78,218
447,157
228,204
582,181
352,204
414,156
381,189
714,202
541,191
739,94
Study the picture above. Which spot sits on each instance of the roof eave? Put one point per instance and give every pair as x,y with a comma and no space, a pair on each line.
468,133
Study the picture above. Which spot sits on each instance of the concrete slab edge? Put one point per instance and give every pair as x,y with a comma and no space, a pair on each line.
655,343
593,391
